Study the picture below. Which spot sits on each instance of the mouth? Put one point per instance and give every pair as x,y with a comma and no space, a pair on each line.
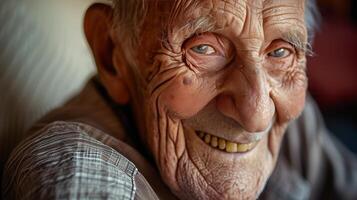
225,145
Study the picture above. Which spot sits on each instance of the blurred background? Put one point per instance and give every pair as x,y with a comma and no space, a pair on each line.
44,60
333,69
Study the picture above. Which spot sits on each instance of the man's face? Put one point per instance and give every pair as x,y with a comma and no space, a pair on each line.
223,79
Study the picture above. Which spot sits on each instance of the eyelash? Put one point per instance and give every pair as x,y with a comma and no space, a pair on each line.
281,44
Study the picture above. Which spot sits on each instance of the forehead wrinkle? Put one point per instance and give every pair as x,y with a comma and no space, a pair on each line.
273,15
272,9
298,3
199,25
276,9
237,10
292,24
180,10
254,4
253,23
234,7
208,14
286,16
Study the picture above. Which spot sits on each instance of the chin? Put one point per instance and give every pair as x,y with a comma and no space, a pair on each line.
205,172
194,168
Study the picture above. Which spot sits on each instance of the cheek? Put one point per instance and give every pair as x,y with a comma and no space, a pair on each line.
289,90
187,95
289,102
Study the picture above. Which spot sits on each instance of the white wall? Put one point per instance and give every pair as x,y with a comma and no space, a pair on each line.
44,59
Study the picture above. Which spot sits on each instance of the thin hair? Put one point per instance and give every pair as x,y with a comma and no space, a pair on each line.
129,16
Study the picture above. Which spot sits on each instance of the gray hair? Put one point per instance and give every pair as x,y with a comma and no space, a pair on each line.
129,16
312,19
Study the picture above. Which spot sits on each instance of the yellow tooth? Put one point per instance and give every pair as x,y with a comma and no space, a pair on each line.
201,134
231,147
207,138
214,141
221,144
243,147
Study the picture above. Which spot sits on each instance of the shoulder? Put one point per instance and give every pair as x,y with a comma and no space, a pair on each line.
317,164
68,157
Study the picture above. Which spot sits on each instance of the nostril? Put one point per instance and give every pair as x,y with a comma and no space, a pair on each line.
226,105
258,126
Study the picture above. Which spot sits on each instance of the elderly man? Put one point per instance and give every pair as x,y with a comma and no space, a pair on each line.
192,101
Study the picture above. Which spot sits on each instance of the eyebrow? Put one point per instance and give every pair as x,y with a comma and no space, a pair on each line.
296,39
199,25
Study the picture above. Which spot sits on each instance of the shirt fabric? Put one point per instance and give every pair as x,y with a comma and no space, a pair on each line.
89,149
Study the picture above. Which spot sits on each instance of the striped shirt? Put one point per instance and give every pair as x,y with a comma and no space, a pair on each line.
76,162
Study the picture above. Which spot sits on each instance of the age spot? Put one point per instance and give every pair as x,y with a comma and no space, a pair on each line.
187,80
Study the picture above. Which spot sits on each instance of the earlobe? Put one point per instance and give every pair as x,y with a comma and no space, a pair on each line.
98,29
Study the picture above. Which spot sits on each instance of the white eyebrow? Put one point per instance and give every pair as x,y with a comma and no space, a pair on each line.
200,24
297,40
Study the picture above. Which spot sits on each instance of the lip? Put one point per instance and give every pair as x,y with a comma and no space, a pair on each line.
194,142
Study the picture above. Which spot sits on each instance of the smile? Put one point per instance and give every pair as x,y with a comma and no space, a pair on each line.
225,145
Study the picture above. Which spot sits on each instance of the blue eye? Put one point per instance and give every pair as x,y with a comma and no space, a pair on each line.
280,53
203,49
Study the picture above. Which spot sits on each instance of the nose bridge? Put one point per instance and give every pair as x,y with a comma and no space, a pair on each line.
248,86
248,99
249,63
255,77
253,107
256,90
251,37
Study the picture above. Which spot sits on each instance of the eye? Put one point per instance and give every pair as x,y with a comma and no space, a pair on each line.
280,53
203,49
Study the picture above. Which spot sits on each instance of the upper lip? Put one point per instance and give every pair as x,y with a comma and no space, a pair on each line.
256,136
242,136
211,121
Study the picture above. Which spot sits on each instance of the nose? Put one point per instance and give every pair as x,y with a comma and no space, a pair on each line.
246,98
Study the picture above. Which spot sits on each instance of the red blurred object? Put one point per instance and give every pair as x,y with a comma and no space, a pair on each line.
333,70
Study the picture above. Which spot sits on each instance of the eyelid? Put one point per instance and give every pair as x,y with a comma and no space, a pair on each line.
205,39
280,44
208,60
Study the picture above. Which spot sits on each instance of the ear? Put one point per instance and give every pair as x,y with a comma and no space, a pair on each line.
109,59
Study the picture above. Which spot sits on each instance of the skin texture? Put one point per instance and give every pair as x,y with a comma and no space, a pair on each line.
246,83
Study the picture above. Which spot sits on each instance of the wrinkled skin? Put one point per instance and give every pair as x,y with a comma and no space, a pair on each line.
246,84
